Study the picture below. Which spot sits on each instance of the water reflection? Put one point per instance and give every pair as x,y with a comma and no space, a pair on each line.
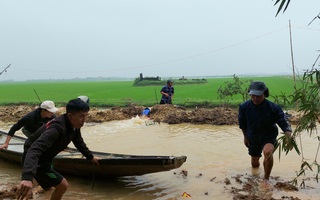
216,155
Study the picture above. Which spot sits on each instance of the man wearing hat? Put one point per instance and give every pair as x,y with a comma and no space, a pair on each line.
167,92
32,121
54,137
258,120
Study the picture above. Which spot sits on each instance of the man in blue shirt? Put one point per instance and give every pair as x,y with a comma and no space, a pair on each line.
257,120
167,92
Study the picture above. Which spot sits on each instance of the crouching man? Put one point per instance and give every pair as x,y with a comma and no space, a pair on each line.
59,132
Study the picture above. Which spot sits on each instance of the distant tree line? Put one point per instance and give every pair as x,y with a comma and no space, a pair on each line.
184,81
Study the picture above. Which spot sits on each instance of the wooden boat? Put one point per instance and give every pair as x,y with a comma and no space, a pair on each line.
72,162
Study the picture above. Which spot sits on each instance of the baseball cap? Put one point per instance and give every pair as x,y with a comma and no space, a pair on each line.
49,106
84,98
169,81
257,88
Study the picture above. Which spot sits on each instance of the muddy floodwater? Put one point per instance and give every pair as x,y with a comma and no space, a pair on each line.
217,166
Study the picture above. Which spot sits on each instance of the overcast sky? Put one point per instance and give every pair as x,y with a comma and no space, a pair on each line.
167,38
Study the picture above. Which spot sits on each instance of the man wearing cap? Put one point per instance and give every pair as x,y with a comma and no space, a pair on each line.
56,136
258,120
32,121
39,131
167,92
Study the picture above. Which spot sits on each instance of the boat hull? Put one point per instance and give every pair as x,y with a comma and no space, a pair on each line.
72,162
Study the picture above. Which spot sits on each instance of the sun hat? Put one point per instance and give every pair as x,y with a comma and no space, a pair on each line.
257,88
49,106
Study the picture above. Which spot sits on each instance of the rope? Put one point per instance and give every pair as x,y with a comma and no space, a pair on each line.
93,177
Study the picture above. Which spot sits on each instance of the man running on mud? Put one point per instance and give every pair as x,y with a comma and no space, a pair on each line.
257,120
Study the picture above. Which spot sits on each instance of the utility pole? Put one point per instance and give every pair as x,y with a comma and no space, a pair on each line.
292,61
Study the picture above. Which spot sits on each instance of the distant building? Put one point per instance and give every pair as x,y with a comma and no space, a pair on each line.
149,78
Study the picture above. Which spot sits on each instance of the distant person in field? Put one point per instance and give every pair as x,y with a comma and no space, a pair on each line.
167,92
258,120
32,121
58,133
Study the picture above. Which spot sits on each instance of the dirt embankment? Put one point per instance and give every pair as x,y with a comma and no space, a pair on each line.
159,113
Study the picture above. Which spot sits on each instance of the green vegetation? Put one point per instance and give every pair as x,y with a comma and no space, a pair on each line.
236,87
123,93
306,97
283,5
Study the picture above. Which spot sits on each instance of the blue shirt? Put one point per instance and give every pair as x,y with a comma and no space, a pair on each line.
169,91
259,121
146,112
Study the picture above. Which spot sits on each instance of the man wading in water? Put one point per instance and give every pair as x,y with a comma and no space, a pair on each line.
257,120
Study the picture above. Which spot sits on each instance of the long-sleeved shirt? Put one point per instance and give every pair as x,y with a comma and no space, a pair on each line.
31,121
260,120
56,137
170,91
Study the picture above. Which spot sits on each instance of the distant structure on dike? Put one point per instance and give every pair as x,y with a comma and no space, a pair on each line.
149,78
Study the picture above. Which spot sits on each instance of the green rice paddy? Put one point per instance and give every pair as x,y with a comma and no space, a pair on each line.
123,93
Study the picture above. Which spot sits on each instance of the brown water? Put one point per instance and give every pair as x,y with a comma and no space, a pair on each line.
214,154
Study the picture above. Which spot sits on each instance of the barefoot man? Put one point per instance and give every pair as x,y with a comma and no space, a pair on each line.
257,120
57,135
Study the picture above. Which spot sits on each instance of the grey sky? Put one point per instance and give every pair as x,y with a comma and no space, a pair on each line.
167,38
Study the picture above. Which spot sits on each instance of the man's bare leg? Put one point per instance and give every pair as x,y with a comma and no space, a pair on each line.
268,160
255,162
59,190
267,163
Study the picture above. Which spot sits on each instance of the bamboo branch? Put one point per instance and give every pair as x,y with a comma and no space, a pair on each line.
5,69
